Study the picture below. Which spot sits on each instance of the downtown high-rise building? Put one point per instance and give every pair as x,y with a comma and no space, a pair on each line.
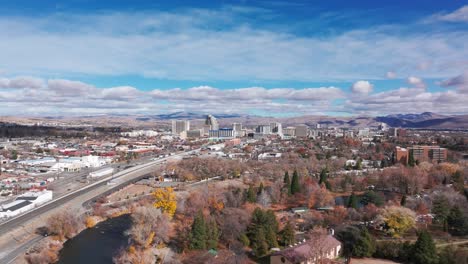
263,129
237,126
211,122
276,128
302,131
180,126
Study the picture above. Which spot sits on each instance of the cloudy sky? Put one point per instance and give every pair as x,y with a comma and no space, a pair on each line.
278,58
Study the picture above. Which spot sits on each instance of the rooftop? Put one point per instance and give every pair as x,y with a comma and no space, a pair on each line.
317,244
15,205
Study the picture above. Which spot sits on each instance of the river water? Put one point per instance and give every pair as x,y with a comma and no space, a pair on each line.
97,245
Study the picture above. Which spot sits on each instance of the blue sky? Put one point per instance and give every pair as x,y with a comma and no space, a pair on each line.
268,57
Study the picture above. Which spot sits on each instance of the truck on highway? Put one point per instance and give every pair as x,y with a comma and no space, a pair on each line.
101,173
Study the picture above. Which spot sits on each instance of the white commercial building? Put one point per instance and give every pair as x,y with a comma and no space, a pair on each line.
140,133
101,173
276,128
222,133
269,156
24,203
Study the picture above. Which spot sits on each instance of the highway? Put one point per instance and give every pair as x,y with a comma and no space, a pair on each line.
96,189
13,255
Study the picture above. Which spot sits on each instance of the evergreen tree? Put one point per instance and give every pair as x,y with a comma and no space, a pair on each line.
212,234
287,183
358,165
352,201
458,181
287,235
445,181
456,221
251,196
403,200
323,176
286,178
365,245
328,185
262,231
295,187
383,163
271,238
258,242
244,239
448,256
411,161
441,209
271,228
198,234
260,188
372,197
424,250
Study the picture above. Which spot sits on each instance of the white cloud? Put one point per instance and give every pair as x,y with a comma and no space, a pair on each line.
409,100
460,81
70,88
119,93
253,93
67,96
61,96
21,82
186,46
390,75
416,82
362,87
459,15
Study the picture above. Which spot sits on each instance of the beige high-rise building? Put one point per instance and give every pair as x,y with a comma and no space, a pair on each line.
179,126
237,126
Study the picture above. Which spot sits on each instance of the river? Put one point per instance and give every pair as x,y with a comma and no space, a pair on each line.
97,245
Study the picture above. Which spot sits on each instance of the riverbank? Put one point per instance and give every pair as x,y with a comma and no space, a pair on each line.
98,244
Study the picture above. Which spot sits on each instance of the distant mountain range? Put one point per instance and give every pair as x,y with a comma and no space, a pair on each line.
187,115
424,120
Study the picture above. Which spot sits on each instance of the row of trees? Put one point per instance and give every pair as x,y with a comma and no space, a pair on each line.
292,186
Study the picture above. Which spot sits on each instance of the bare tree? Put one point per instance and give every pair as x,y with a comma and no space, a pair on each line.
135,256
64,225
149,226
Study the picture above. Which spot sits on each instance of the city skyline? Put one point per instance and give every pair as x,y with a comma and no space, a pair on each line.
259,58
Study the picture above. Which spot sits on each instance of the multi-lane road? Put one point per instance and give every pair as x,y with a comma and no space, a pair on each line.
86,193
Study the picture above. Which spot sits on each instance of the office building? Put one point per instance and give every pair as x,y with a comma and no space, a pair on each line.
196,133
263,129
289,132
222,133
276,128
425,153
211,122
302,131
237,126
179,126
421,153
